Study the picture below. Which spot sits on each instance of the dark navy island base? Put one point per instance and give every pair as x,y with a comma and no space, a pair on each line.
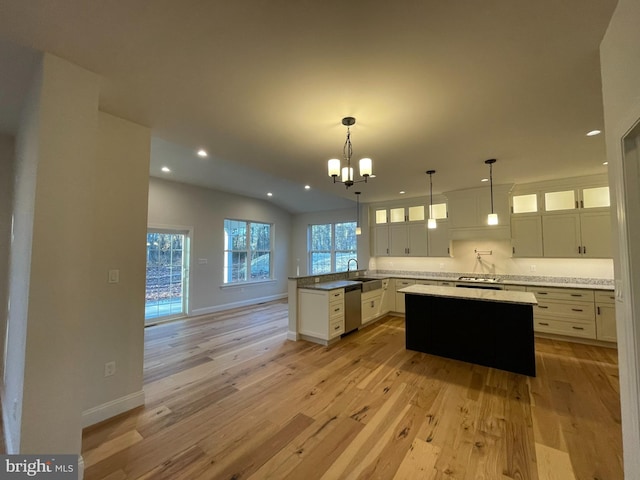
490,333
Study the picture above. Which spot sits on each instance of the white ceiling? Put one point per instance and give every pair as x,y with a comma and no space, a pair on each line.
263,86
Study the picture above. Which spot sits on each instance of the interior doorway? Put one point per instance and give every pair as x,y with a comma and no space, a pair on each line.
166,295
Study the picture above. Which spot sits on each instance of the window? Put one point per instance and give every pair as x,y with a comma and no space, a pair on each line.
331,246
247,251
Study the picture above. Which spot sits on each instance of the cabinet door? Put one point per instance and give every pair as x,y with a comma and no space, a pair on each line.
606,323
398,240
463,210
439,240
526,236
417,235
381,241
596,234
561,235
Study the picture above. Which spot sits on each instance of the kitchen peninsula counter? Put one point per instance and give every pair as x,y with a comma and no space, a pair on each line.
493,328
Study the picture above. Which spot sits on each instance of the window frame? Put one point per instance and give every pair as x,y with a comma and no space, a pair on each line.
248,252
333,251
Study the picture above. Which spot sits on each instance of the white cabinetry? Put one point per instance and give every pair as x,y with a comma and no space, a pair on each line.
526,236
606,316
371,305
381,241
321,314
564,311
388,295
402,283
408,240
439,243
585,234
468,210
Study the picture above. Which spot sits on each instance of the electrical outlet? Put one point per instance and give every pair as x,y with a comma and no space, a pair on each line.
109,369
532,268
317,280
114,276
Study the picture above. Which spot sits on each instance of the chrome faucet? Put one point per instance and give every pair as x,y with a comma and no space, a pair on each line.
349,264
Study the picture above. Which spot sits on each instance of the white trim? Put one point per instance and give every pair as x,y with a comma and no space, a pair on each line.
293,336
243,303
80,467
256,283
111,409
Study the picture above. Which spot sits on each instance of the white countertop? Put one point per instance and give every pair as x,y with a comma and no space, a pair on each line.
483,294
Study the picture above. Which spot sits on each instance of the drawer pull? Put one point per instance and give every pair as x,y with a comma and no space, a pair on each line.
542,306
543,293
543,323
577,310
576,294
336,309
337,327
598,310
578,328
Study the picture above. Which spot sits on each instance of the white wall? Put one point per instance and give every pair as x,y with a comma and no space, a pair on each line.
204,210
50,260
115,329
6,202
465,260
621,95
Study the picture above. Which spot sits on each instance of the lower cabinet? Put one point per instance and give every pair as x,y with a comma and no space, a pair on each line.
371,305
321,313
606,317
388,295
402,283
565,311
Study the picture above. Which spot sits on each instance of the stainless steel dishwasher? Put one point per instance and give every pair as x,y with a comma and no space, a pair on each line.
352,308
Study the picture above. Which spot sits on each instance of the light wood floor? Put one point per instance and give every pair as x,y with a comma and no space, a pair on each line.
228,397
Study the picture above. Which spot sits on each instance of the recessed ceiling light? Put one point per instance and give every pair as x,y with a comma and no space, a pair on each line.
605,163
484,180
269,194
166,169
593,132
202,153
402,192
307,187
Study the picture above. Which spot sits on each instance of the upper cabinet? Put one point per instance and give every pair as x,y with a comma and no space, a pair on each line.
400,230
468,211
562,219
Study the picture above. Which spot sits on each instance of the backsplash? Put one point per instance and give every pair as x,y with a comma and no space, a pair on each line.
498,263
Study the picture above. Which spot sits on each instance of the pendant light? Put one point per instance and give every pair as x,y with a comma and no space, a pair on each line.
492,218
358,229
346,172
431,222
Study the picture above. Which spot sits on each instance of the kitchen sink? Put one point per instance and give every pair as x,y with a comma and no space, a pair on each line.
368,284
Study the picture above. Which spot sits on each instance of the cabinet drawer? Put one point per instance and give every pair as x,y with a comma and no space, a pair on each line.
559,327
426,282
336,309
404,283
336,295
336,327
447,284
371,295
605,297
578,311
542,293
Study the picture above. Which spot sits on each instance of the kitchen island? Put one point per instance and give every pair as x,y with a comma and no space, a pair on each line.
493,328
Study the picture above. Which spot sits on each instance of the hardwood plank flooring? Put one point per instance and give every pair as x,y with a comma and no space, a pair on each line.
228,397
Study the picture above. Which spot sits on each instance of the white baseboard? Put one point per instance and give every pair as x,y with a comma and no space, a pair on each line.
293,336
80,467
111,409
243,303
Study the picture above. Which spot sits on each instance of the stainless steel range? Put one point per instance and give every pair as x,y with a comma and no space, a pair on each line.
492,283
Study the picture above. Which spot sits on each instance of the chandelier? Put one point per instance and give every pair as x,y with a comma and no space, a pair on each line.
346,172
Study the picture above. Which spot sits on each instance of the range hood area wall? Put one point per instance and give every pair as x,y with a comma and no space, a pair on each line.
500,262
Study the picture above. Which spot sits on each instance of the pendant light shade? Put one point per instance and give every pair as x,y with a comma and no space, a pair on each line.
431,222
358,229
492,218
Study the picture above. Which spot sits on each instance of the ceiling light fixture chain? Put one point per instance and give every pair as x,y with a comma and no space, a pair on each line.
346,172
